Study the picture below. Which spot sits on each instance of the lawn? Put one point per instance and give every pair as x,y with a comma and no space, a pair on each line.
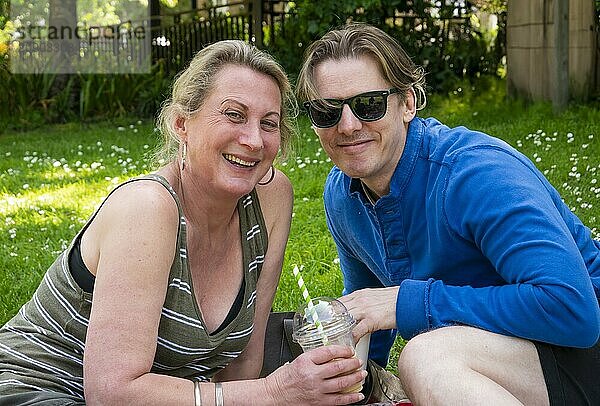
51,179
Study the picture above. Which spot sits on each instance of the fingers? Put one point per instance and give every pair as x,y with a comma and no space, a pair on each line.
326,353
321,376
348,298
376,307
340,366
346,382
360,302
358,305
341,375
341,398
360,329
334,363
344,388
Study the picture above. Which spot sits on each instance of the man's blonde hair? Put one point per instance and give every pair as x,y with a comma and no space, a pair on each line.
355,40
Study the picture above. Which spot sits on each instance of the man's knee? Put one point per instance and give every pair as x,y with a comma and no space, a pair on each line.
424,357
436,352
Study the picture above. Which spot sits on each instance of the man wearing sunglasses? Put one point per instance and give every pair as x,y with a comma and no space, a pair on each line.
449,237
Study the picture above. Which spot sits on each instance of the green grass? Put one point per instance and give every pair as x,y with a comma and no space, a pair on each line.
51,180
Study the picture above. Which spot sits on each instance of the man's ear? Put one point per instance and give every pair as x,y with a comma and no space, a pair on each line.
411,105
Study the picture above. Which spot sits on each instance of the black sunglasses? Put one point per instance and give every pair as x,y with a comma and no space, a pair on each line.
370,106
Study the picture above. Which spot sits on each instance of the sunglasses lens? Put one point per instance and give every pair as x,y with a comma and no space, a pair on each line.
369,108
324,116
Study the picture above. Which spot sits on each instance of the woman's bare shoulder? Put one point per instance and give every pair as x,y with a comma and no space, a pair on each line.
143,205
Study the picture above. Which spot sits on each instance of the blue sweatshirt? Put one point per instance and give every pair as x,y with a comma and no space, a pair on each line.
474,235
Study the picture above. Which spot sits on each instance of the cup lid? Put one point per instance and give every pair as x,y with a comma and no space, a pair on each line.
329,312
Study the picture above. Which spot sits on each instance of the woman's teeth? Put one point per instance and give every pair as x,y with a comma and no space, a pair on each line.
236,160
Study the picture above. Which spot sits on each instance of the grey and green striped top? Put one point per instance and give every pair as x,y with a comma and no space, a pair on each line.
41,348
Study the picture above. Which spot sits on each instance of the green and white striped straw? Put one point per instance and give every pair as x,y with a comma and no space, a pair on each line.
309,303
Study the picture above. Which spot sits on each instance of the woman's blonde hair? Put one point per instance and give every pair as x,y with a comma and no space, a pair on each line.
195,83
356,40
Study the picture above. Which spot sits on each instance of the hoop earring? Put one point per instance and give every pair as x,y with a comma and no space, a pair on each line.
270,178
183,155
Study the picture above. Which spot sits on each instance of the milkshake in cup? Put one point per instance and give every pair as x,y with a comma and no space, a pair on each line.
326,322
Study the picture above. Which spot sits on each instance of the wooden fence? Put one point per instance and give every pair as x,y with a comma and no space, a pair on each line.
532,50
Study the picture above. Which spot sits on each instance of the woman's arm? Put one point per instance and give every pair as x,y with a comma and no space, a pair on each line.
135,239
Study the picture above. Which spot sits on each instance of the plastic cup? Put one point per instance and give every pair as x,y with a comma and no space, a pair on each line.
336,322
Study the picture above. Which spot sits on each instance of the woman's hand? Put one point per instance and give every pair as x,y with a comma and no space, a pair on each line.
317,377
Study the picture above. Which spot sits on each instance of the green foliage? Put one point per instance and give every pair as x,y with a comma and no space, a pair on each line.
169,3
4,8
448,48
121,95
28,101
33,100
97,12
491,6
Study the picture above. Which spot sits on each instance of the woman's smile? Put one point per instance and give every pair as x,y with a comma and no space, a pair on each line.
244,163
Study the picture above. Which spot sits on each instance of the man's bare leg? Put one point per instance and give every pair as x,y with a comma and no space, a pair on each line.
467,366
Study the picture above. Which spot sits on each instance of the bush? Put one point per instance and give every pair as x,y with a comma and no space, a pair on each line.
449,47
37,99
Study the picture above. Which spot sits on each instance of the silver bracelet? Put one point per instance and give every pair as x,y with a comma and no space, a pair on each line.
197,393
218,394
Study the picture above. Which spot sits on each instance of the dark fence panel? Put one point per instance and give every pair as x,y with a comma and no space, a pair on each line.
276,14
177,37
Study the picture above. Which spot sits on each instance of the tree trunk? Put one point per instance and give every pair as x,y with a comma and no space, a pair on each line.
62,16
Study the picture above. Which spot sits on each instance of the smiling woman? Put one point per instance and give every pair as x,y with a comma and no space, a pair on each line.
234,137
164,294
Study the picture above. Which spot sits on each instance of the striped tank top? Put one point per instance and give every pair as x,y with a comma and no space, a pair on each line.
41,347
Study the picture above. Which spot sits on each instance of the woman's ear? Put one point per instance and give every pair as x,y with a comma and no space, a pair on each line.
180,127
411,105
